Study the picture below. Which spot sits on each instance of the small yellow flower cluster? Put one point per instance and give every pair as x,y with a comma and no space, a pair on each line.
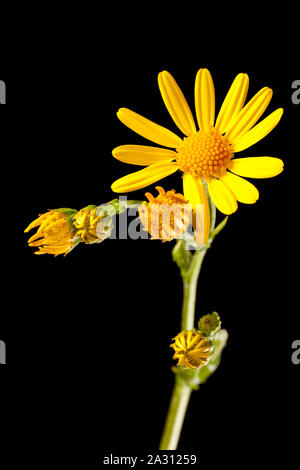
60,230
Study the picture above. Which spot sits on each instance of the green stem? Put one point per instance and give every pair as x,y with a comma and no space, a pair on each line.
181,392
177,409
190,267
190,291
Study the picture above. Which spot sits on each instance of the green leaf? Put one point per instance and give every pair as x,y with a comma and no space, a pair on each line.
220,227
182,257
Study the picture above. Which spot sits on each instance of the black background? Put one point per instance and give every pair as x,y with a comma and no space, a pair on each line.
88,357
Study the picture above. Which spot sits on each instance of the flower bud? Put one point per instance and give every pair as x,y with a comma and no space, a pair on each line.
92,224
209,325
55,234
60,230
165,216
191,349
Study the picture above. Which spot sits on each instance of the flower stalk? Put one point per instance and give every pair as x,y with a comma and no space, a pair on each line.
178,405
190,290
190,267
182,392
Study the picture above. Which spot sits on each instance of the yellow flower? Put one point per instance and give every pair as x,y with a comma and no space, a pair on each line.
88,225
165,216
191,349
55,233
204,155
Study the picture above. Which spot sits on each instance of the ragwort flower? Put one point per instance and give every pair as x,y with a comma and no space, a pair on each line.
204,155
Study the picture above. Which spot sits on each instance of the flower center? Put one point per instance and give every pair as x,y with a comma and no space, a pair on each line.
204,154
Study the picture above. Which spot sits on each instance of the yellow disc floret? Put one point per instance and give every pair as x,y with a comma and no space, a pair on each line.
191,349
54,235
203,154
166,216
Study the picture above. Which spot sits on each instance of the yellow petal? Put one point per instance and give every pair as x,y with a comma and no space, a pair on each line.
148,129
250,114
143,154
205,99
35,237
194,341
188,338
233,102
52,251
242,190
37,221
50,243
195,194
256,167
222,196
258,132
181,361
144,177
53,215
176,103
182,341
